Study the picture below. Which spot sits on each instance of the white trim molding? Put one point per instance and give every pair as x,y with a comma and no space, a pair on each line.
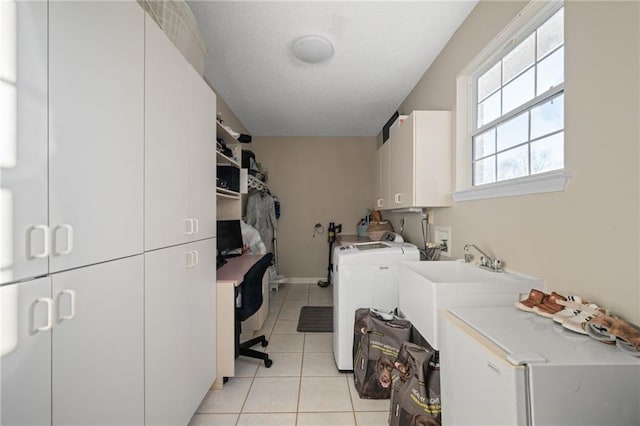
555,181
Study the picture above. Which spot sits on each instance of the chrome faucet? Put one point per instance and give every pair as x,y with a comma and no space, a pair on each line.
486,261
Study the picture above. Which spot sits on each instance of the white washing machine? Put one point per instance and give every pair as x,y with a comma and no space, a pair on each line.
365,275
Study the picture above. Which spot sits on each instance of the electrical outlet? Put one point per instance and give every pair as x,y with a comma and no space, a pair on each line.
440,234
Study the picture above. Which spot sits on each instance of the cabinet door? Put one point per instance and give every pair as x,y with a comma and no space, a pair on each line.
166,147
202,157
202,320
432,159
98,344
96,72
383,199
26,312
401,165
167,336
23,141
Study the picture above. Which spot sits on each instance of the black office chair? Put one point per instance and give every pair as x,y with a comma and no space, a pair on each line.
251,289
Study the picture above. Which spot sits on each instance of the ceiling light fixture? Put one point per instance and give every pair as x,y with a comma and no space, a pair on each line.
312,49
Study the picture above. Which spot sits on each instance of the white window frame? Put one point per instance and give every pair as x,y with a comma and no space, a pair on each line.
527,21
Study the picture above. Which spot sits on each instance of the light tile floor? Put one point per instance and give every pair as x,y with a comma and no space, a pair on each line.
303,387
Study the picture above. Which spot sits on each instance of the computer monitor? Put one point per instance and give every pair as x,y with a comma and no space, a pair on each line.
229,237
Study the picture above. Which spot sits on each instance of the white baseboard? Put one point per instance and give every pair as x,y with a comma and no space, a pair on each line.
306,280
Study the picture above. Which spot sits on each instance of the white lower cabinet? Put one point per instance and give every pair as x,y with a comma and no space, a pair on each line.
25,353
72,347
180,334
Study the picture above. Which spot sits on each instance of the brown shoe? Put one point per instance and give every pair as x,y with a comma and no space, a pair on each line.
550,306
536,297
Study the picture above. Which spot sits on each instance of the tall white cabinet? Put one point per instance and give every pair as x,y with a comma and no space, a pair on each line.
84,87
180,150
180,226
24,214
96,83
72,192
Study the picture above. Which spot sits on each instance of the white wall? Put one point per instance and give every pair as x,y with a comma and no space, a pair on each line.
585,240
318,180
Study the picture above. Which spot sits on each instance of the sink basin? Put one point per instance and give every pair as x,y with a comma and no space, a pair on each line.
427,288
460,272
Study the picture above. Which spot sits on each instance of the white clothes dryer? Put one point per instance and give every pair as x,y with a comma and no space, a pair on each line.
365,275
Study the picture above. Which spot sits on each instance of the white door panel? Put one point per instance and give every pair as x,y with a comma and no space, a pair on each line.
202,320
25,353
401,162
96,131
167,336
23,140
98,349
202,154
166,147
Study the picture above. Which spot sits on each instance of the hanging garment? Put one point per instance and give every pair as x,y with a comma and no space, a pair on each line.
261,215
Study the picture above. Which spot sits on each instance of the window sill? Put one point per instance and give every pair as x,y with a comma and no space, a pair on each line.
555,181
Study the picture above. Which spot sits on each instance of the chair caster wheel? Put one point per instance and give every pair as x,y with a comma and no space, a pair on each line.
265,344
268,363
225,380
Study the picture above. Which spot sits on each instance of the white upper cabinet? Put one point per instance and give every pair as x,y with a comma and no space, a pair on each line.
24,242
72,156
180,169
419,172
202,157
96,140
382,192
166,156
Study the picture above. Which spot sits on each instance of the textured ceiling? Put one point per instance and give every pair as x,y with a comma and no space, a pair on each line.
382,49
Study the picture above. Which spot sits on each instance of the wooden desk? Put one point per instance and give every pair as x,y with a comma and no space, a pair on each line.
228,277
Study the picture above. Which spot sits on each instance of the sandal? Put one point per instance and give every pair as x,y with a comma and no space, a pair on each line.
598,328
550,305
578,322
536,297
572,307
617,329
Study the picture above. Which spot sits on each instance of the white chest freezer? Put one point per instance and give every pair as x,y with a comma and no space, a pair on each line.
365,275
502,366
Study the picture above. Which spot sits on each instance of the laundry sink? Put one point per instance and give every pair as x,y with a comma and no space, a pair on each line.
426,288
461,272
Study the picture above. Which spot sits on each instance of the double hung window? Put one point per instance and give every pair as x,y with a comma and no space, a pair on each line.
519,108
511,106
